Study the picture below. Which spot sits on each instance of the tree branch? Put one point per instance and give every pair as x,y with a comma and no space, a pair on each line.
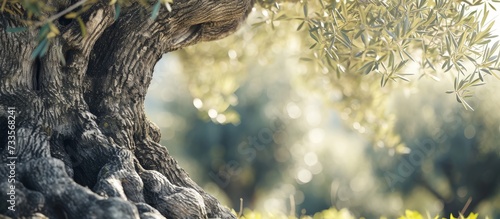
424,183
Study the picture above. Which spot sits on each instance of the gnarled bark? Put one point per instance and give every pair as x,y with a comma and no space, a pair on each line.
84,147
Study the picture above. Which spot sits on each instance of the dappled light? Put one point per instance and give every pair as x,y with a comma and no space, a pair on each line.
265,123
250,109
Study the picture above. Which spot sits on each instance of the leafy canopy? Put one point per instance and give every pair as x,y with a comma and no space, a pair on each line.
386,37
353,52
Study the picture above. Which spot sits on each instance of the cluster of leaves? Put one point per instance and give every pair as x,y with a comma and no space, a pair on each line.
360,99
357,47
385,37
215,71
342,214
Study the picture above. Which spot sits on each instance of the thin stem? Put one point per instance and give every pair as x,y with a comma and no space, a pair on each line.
63,12
241,208
3,5
466,206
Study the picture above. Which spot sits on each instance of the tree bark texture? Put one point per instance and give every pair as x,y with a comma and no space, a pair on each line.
84,147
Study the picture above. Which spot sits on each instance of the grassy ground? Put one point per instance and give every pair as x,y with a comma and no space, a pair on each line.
340,214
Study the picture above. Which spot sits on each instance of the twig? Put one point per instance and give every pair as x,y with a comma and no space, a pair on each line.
63,12
292,206
241,208
3,5
466,206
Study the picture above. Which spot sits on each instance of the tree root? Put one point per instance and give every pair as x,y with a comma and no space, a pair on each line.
123,188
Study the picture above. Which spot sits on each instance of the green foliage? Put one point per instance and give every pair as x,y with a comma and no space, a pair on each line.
386,37
341,214
357,47
354,51
356,43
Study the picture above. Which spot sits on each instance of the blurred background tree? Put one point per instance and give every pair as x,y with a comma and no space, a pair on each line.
349,111
453,158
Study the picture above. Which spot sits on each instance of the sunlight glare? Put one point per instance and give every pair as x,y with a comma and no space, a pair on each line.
304,176
212,113
197,103
316,135
293,110
310,158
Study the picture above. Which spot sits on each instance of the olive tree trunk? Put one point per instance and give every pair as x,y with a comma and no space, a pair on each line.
75,141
